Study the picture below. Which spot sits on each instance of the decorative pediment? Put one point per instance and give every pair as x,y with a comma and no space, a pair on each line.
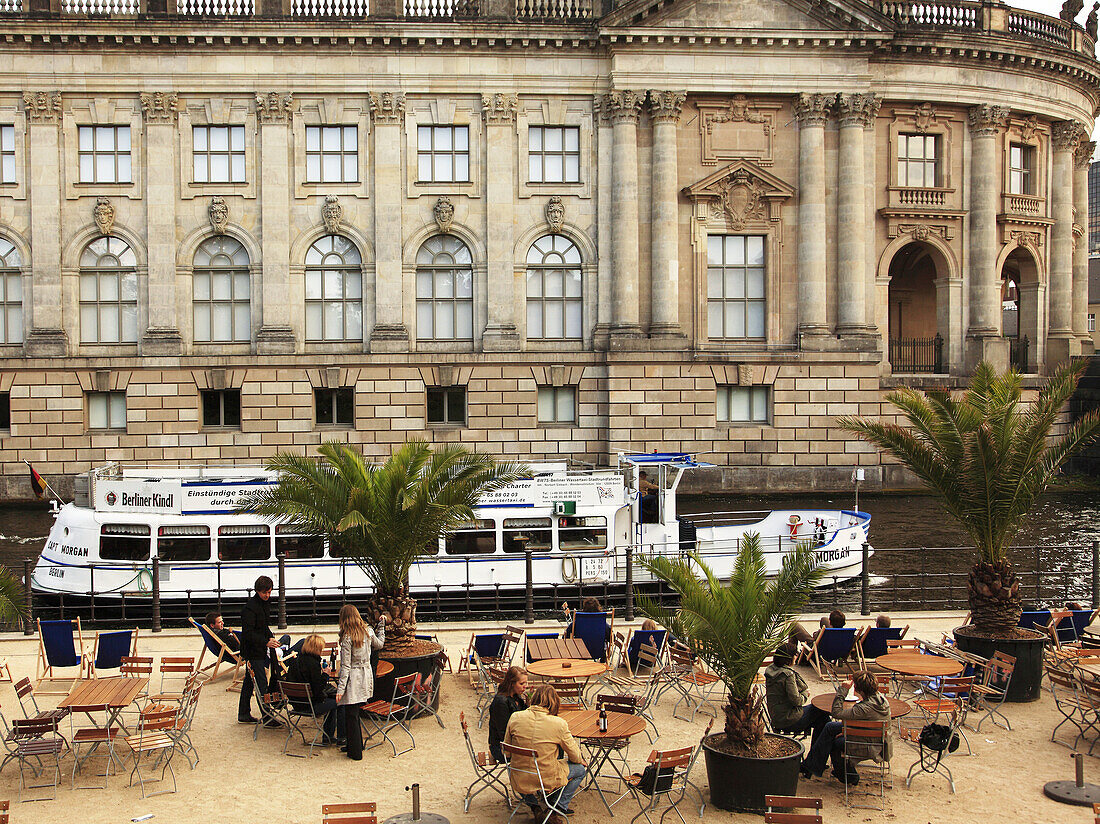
751,15
742,194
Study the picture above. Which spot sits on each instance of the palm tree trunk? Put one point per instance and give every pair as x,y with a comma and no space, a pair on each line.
744,723
401,611
994,594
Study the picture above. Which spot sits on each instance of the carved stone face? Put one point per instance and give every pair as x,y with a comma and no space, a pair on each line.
104,215
219,214
444,212
331,213
555,213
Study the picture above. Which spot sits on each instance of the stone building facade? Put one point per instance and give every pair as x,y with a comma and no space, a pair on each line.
539,227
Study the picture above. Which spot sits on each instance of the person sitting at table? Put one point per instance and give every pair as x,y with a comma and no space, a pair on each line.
540,729
509,699
788,697
871,706
216,624
305,668
355,685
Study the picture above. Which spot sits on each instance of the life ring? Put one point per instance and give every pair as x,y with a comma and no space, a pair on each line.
794,522
571,576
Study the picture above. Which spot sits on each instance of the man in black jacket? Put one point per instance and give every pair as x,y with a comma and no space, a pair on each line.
256,640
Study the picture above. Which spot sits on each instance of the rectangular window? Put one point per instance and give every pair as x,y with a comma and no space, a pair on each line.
447,405
218,153
557,404
104,154
735,286
537,531
918,160
107,410
334,407
443,154
554,154
124,542
5,411
221,407
290,543
587,532
7,154
332,154
1021,169
743,404
183,543
222,305
472,538
244,542
1092,322
11,307
108,306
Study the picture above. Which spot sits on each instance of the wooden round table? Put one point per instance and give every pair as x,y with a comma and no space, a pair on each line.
566,668
585,726
924,666
384,669
824,702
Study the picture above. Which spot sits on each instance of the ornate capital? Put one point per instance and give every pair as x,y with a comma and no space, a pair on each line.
331,214
274,107
857,109
812,109
42,107
499,109
1082,157
622,106
387,107
666,106
104,215
444,214
219,214
159,107
1067,134
986,120
555,214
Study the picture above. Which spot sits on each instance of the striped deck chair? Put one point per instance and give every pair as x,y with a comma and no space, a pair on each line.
60,646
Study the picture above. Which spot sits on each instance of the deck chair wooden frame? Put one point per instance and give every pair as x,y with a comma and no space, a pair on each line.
355,812
481,646
794,803
93,660
867,635
44,670
489,774
604,653
867,733
831,648
225,656
639,636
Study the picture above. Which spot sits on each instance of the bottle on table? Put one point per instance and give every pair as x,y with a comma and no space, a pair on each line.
603,718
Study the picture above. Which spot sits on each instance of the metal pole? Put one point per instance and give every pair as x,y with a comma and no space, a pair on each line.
281,557
629,583
864,582
529,605
1096,574
156,594
28,596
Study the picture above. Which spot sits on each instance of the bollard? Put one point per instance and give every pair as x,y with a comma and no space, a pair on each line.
282,589
28,596
529,605
156,594
630,583
864,582
1096,574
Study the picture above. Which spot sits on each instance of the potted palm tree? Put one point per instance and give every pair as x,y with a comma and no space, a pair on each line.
383,516
733,627
987,457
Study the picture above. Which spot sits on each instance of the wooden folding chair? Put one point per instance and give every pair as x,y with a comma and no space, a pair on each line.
223,655
60,645
489,774
357,812
154,742
175,671
858,736
793,803
673,771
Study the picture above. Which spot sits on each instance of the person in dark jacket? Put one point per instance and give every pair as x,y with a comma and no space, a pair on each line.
871,706
509,699
256,641
305,668
788,697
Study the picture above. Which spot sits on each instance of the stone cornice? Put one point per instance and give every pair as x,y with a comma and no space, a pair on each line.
985,120
666,106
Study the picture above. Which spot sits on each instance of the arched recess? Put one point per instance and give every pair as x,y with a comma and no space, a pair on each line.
185,268
70,274
587,249
918,305
298,250
479,267
1023,295
16,300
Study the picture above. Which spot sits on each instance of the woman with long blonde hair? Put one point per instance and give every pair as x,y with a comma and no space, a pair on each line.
355,685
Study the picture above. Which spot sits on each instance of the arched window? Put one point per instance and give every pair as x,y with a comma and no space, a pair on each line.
11,293
444,290
221,291
553,289
334,290
108,292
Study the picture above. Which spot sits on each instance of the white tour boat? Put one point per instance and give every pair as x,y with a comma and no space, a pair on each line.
578,524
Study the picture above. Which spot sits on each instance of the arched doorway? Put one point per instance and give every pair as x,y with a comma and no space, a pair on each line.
916,343
1020,322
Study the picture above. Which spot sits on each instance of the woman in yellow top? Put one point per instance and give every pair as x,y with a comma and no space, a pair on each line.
540,729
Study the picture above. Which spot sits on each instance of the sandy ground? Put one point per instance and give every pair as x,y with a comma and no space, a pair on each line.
238,780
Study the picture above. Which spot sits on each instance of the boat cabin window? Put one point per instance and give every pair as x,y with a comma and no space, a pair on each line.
588,532
472,538
291,544
183,543
243,542
124,542
536,530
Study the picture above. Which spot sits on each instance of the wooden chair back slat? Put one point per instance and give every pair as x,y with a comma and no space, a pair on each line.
794,803
136,666
350,807
23,688
671,758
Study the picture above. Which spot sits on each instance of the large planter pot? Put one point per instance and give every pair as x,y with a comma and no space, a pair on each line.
739,783
423,664
1027,675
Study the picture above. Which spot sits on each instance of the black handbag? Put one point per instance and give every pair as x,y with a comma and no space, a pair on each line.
654,781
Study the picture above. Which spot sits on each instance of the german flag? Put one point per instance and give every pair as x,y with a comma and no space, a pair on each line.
38,486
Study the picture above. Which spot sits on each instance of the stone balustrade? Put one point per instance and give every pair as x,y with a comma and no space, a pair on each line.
1026,205
927,198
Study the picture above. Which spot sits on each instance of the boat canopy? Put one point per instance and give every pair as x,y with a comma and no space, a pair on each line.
676,460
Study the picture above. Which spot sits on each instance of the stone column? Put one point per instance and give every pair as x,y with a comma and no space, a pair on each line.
856,113
983,334
274,112
163,335
1081,159
664,111
811,111
46,332
623,108
499,112
1066,138
389,334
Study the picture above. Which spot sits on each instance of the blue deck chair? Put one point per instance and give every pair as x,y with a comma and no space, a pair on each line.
221,654
1066,626
1034,619
653,637
535,636
60,646
110,648
594,628
832,646
488,645
872,642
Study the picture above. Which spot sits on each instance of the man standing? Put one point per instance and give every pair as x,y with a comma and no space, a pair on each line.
256,640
